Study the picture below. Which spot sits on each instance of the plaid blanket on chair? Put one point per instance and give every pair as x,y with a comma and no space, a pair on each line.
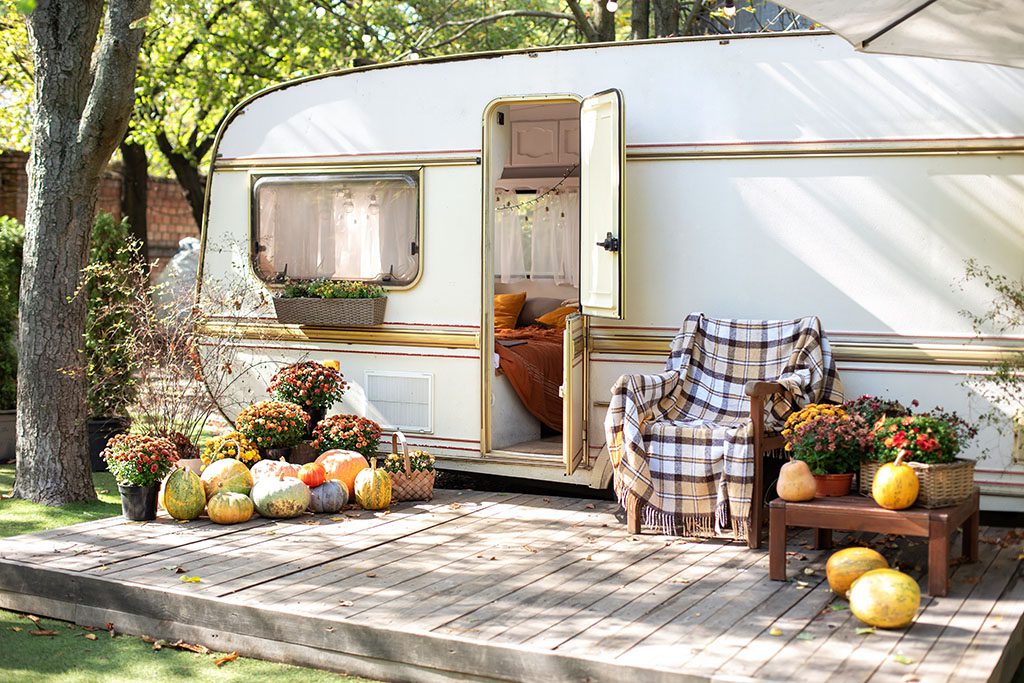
682,441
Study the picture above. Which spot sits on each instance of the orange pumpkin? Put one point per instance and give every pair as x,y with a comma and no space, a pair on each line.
312,474
343,466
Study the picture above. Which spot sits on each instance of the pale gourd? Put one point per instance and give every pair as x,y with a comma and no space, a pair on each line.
885,598
796,483
849,564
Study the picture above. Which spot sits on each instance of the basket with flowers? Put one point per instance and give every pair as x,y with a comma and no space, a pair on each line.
412,474
331,303
929,443
313,386
231,445
273,424
347,432
831,441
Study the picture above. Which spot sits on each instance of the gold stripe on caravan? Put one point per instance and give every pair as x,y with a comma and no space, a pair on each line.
902,351
377,336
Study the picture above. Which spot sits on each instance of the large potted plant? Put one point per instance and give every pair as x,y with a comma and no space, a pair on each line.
114,279
12,236
832,442
139,463
314,387
349,433
331,303
274,426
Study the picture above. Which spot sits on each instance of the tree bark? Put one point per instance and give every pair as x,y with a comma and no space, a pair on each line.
82,102
135,191
188,176
640,20
666,18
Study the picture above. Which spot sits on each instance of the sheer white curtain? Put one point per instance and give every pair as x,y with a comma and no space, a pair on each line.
537,239
340,229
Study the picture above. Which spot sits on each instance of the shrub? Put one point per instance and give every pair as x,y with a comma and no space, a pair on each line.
12,239
348,432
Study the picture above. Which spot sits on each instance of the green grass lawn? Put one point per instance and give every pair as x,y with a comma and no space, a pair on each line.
23,517
70,657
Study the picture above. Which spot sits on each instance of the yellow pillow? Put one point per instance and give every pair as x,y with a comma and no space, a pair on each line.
506,310
556,318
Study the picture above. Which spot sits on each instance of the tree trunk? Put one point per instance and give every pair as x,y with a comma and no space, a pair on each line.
666,18
82,101
640,20
604,22
188,177
135,192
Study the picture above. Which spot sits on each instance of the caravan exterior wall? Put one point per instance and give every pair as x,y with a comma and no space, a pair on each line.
768,177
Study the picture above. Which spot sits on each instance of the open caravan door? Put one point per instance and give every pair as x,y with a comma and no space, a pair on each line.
602,188
602,204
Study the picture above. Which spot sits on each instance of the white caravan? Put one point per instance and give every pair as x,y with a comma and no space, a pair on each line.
770,176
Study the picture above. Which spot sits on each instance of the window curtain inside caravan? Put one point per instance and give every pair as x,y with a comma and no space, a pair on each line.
338,227
537,239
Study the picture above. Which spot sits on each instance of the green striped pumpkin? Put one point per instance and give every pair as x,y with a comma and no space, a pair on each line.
183,495
373,487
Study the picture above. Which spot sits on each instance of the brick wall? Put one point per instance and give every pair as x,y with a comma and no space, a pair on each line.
169,214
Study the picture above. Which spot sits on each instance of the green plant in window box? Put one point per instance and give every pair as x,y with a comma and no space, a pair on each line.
331,303
331,289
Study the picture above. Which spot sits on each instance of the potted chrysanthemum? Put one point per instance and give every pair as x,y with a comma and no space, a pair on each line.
231,445
274,426
138,464
314,387
347,432
831,441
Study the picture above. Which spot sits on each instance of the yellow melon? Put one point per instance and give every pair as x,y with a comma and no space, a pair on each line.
895,485
849,564
885,598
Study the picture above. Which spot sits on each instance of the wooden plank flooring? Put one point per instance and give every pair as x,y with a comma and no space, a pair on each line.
491,586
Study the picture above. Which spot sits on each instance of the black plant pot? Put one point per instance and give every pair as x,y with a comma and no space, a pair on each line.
275,453
138,503
316,416
101,431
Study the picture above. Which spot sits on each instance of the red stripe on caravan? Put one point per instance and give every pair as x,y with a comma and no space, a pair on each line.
372,353
445,438
354,154
839,141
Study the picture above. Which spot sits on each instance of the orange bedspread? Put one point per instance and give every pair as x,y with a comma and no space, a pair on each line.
534,369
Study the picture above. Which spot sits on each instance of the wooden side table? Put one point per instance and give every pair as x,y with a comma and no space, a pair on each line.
857,513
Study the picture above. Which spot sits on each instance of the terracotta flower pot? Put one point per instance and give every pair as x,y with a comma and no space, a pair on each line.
833,484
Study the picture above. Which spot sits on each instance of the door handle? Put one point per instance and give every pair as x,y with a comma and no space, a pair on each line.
610,243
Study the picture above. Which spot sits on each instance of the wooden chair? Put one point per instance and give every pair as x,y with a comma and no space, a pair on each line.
764,442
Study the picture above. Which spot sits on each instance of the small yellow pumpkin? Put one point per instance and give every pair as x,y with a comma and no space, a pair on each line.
885,598
373,487
796,483
895,485
849,564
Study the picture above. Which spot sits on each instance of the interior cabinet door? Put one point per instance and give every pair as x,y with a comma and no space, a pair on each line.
534,143
574,429
568,142
602,204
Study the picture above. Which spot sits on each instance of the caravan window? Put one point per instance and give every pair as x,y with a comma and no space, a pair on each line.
338,226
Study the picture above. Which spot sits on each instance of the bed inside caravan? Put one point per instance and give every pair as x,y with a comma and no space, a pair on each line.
535,183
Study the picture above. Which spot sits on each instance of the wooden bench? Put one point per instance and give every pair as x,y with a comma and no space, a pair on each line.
857,513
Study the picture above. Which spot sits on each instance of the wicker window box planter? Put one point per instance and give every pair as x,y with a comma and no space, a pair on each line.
941,485
330,312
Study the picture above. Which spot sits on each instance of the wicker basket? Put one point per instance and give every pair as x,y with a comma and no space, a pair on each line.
941,485
410,485
330,312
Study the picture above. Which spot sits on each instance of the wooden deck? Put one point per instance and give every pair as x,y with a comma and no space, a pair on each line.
489,586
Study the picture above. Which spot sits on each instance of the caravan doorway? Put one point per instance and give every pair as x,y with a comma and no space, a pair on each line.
531,276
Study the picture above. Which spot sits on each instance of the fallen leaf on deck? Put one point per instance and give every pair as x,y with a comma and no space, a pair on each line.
1021,556
902,659
493,558
16,629
183,521
970,580
371,575
225,659
589,558
529,549
312,522
775,632
577,524
838,607
42,632
90,636
808,571
454,506
174,568
865,630
199,649
589,506
910,678
680,581
190,579
805,636
337,519
103,568
801,584
344,603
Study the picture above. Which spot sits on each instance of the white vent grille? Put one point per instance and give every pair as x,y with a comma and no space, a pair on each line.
401,400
